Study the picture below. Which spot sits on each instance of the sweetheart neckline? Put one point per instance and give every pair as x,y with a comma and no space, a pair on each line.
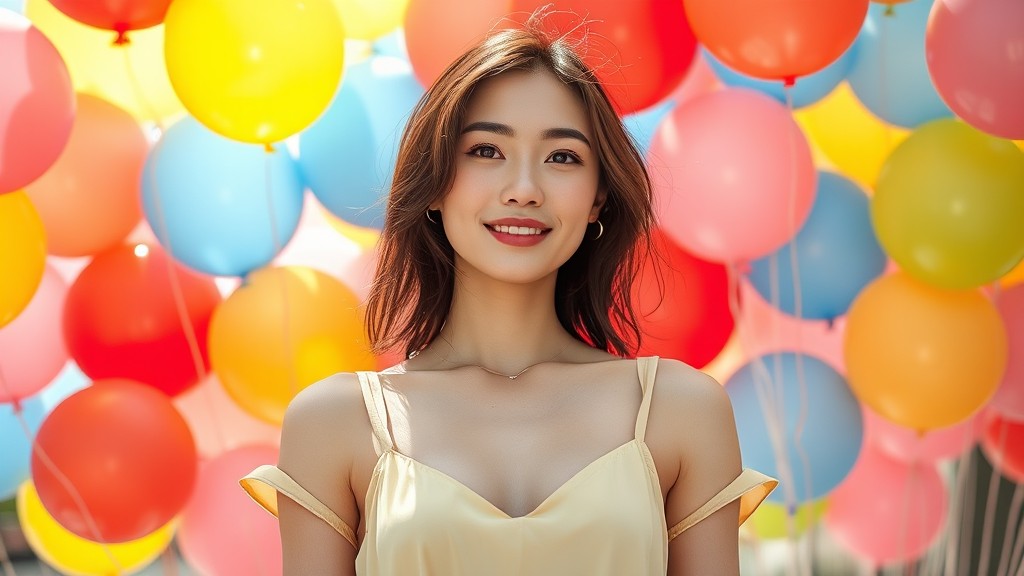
644,453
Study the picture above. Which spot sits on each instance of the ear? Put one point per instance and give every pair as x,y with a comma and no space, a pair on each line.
599,200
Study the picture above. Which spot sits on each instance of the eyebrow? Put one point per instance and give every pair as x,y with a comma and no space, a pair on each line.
506,130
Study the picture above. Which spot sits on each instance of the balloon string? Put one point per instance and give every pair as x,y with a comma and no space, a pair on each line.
275,236
990,503
140,95
967,524
1011,529
5,560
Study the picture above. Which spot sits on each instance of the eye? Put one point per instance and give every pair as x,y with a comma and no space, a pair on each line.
563,157
485,151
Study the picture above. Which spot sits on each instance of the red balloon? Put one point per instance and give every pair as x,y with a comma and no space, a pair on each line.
117,15
686,316
438,31
776,40
126,452
1002,441
640,49
121,319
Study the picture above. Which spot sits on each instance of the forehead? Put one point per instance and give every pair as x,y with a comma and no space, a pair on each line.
526,99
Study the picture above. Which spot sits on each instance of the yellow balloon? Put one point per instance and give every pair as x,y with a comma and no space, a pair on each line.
921,356
254,72
370,19
22,253
132,76
770,521
949,205
849,135
282,330
71,554
366,238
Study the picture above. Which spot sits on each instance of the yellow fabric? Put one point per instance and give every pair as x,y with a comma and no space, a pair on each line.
607,519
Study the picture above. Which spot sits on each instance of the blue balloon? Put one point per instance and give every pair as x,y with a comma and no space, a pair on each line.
642,125
348,155
819,423
16,6
225,207
837,255
806,91
15,446
890,75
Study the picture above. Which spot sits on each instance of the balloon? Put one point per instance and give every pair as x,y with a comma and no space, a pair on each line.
218,423
640,50
779,40
348,156
682,304
280,332
32,350
128,454
732,175
849,135
438,31
70,380
23,256
131,76
256,75
922,357
116,15
973,54
15,445
89,198
642,125
220,206
805,92
836,254
772,521
70,554
370,19
222,531
1009,398
913,447
122,318
1002,441
797,421
37,105
890,76
1013,277
16,6
948,205
887,511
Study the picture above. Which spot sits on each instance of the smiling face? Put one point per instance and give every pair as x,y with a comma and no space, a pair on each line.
526,178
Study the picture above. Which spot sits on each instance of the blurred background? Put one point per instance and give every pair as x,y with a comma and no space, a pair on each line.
191,192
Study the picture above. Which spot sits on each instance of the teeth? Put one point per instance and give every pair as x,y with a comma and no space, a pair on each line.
518,230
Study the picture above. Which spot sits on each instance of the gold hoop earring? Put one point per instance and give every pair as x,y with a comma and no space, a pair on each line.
600,229
431,219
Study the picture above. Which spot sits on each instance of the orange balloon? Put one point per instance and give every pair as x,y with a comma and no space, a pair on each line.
438,31
89,200
923,357
1015,276
777,40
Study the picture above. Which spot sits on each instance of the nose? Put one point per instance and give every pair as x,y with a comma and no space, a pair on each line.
524,188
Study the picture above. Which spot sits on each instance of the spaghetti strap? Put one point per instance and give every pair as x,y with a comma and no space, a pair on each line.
373,397
647,369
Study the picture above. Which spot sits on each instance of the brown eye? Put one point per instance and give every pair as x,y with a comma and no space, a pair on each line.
485,151
564,158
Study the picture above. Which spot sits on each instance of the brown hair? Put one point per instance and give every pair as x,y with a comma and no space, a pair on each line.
414,282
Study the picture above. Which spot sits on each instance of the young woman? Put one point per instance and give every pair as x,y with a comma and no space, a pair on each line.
518,438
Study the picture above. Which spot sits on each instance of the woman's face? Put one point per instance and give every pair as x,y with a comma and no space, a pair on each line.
526,178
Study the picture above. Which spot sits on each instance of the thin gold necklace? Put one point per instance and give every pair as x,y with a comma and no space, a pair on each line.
495,372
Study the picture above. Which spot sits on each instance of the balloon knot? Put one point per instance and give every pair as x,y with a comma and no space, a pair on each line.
889,10
268,147
122,35
743,267
788,81
16,404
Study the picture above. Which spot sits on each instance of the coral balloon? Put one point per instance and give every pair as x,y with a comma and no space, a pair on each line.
37,104
127,453
922,357
23,256
732,174
682,303
370,19
779,40
123,318
210,536
89,198
911,446
117,15
280,332
32,350
437,31
1009,398
973,53
640,50
218,423
948,205
1002,441
258,74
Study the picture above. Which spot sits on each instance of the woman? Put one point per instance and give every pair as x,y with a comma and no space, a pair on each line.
517,438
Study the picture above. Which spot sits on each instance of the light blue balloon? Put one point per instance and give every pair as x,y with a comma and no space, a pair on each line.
16,6
797,391
642,125
348,155
890,74
15,446
70,380
226,207
837,255
806,91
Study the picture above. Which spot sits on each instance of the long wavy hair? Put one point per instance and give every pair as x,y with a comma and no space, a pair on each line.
413,286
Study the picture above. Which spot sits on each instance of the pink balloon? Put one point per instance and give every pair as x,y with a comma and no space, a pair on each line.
218,423
32,350
909,446
223,532
700,79
733,175
37,102
1002,441
973,51
1009,397
886,510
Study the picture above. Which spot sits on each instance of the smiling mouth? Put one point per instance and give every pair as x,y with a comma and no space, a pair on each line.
517,230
